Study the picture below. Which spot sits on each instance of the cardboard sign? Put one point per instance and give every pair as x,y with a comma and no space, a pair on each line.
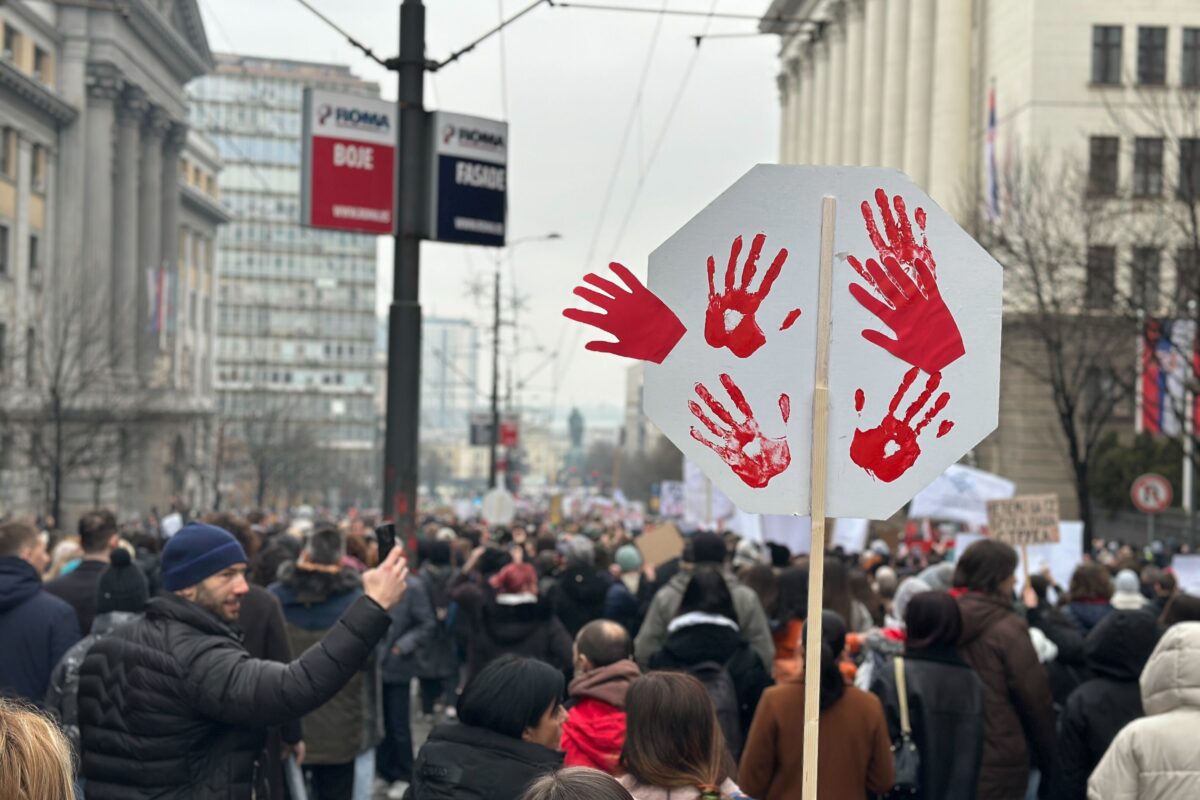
1024,520
660,543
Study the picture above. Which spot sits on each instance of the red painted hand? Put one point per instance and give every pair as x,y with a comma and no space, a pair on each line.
900,243
888,451
729,321
646,329
752,456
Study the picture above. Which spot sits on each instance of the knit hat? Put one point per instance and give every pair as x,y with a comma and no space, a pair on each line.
907,590
196,552
708,548
628,558
122,585
515,579
579,551
1127,581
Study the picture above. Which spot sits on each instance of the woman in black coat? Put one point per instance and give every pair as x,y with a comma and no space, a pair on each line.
509,726
945,699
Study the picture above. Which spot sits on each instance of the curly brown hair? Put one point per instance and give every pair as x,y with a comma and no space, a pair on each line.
1091,581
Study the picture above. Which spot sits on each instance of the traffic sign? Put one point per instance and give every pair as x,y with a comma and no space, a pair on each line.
1151,493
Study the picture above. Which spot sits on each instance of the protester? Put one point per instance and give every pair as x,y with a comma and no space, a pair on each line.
787,621
1089,593
436,660
705,640
576,783
674,749
580,592
860,587
1180,608
173,704
1164,590
594,731
630,594
97,538
854,755
1117,650
1127,594
35,759
708,555
36,628
1155,758
881,644
508,730
1018,710
945,698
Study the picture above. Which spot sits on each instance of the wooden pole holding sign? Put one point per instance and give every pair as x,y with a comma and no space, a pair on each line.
816,562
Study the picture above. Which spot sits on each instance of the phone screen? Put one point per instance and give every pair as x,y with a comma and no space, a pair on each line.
385,535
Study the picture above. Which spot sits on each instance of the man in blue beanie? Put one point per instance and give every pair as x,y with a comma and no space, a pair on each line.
172,706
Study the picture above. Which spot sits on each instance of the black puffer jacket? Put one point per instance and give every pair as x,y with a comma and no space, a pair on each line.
1117,650
172,706
579,597
522,628
463,762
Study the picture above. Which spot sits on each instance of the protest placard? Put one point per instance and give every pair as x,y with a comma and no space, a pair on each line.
660,543
1024,520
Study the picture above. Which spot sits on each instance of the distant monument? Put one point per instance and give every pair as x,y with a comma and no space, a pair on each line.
576,458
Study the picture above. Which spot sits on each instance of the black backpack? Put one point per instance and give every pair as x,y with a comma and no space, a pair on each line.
723,693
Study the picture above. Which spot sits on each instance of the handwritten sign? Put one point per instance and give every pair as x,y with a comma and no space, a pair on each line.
1024,520
660,543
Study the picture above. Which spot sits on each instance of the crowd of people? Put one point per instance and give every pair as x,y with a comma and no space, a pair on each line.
252,657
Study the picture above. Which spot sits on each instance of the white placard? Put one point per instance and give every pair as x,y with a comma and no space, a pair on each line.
671,500
1187,573
705,506
794,533
1062,557
961,494
851,534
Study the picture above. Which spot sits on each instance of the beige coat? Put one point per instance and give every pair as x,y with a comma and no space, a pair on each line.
1156,757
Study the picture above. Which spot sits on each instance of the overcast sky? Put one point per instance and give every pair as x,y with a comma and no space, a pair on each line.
566,80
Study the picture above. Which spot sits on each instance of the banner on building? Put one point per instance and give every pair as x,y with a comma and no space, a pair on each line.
348,165
468,187
160,294
1167,346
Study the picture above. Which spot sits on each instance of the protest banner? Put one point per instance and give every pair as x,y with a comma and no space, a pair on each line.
960,494
1024,520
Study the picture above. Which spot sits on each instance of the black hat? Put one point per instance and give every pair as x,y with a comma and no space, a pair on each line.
708,548
122,586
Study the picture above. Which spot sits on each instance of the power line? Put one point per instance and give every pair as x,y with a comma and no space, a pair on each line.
777,18
368,52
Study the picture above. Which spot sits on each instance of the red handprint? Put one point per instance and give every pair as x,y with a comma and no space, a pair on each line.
730,321
752,456
645,327
887,452
900,242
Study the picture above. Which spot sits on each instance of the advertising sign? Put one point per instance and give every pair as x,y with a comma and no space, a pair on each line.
348,169
468,187
481,430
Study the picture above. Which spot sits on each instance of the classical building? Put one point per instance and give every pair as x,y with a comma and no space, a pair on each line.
106,230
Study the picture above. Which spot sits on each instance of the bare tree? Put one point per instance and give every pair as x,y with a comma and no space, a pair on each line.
276,449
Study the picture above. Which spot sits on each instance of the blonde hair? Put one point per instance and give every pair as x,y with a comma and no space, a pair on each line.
35,759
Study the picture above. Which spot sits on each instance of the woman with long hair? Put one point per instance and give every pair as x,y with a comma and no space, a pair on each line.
35,759
577,783
855,755
674,749
1090,593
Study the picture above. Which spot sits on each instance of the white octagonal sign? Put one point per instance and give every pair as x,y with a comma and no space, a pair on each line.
729,326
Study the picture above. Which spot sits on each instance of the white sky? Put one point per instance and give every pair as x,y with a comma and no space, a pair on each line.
572,78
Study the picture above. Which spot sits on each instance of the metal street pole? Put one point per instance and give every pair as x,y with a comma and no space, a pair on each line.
495,377
404,316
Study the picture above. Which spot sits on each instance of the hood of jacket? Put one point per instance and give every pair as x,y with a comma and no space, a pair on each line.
1119,646
584,585
680,580
19,581
694,644
510,624
1172,676
1088,614
1128,601
310,587
979,613
511,748
607,684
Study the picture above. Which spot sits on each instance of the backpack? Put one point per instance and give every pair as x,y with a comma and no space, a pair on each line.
721,690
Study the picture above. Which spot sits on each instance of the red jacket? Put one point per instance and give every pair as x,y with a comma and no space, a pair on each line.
594,731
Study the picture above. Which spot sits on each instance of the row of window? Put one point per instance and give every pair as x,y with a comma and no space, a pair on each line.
275,322
302,377
262,149
1107,59
294,295
1146,289
262,207
26,56
244,263
298,406
33,262
216,118
296,235
234,348
8,160
1104,155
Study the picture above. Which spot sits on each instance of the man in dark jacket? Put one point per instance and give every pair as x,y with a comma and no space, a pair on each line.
580,590
173,706
97,538
36,628
1116,650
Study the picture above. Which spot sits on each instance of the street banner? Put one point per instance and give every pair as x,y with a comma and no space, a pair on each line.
468,182
348,164
1187,573
960,494
1024,520
1061,557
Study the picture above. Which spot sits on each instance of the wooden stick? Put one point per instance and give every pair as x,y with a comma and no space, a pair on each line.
816,561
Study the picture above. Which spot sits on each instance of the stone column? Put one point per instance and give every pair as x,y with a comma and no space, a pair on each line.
19,234
837,98
125,243
800,90
786,101
919,94
93,300
820,53
172,149
852,104
149,230
895,82
870,146
950,172
808,101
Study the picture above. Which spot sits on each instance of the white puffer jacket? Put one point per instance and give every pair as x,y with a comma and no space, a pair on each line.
1156,757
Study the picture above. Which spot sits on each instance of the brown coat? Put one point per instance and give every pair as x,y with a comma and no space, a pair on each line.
855,751
1018,711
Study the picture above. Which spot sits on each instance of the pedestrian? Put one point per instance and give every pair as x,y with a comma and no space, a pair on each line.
594,730
1018,725
1180,608
674,749
1089,593
437,658
1164,590
708,554
97,538
1155,758
705,640
35,759
884,643
630,595
944,698
855,753
508,729
1127,592
1116,650
172,705
577,783
580,592
839,597
36,628
787,622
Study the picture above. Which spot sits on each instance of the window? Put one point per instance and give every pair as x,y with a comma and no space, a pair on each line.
30,355
1102,165
1101,277
1147,167
8,152
1106,54
1152,56
1190,74
1187,277
3,250
38,168
12,41
1145,278
41,65
34,261
3,349
1189,169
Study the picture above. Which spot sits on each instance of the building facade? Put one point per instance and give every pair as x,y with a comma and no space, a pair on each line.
95,211
450,388
296,321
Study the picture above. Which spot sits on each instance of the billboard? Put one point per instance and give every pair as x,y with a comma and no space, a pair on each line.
348,173
468,187
481,430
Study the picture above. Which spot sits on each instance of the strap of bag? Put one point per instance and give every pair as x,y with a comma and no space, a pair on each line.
902,691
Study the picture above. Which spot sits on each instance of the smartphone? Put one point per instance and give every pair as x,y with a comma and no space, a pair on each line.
385,536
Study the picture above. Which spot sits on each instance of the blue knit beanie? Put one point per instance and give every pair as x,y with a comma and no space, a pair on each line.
196,552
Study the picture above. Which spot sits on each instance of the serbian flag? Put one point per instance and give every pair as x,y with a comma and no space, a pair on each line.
1167,347
158,293
993,185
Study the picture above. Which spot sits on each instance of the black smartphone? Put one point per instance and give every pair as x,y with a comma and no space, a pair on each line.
385,536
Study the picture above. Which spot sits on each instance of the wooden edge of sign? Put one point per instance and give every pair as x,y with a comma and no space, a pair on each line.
820,447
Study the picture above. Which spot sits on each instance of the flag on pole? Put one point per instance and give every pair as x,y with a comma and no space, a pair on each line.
993,186
1167,346
158,284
